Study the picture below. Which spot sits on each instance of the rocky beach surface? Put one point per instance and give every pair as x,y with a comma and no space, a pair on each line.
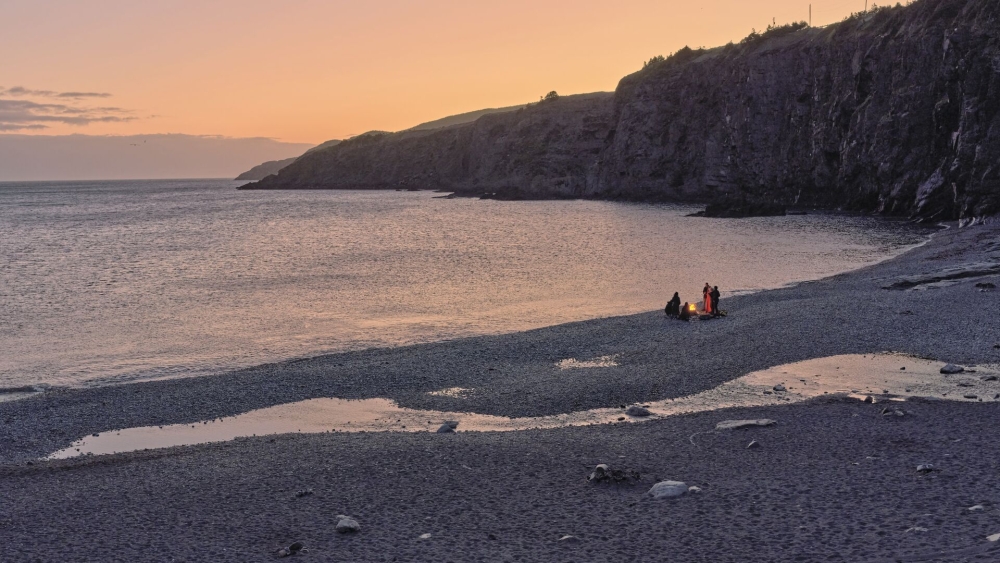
833,479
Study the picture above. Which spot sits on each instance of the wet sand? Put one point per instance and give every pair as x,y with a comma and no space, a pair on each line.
833,480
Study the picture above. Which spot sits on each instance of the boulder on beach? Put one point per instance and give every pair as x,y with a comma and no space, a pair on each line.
347,525
951,369
667,489
636,410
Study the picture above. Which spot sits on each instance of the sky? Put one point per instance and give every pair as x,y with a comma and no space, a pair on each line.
304,71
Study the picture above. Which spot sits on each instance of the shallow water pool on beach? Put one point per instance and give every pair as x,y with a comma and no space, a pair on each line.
106,282
879,378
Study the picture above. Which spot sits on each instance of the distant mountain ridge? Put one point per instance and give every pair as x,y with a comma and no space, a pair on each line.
895,110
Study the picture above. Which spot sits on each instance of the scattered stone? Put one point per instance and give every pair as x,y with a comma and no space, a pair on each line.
452,423
446,429
667,489
599,472
902,368
424,537
892,411
972,397
603,473
303,493
290,550
737,424
994,537
779,388
347,525
977,508
636,410
869,399
753,445
926,468
621,418
986,285
916,529
569,539
951,369
990,378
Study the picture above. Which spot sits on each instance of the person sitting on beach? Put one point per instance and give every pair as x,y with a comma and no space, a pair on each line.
707,294
673,306
685,314
715,301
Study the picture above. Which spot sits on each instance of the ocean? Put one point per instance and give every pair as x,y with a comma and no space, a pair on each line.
110,282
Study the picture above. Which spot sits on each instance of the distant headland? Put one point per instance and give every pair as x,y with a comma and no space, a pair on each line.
894,110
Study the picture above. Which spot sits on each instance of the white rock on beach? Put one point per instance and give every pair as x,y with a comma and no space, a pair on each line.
347,525
667,489
736,424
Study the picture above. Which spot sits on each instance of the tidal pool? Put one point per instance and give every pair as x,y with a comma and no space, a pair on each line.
884,377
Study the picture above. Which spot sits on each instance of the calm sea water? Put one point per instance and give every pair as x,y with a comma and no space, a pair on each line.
105,282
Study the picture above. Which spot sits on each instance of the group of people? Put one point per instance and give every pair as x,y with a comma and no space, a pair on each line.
710,294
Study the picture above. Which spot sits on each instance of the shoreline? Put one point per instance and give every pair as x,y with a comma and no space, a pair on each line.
191,370
510,496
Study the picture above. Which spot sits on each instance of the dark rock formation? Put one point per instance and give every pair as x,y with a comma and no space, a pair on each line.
895,111
264,170
545,150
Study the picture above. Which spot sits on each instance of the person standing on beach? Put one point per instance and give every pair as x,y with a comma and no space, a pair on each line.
707,294
715,300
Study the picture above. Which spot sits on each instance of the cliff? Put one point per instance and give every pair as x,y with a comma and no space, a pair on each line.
543,150
265,169
895,111
270,167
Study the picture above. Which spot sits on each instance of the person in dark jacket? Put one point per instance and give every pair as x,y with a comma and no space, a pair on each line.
673,306
715,301
685,314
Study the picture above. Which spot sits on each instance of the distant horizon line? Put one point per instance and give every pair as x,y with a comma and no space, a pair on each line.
4,182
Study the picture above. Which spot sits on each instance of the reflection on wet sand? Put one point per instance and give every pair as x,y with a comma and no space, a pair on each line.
879,376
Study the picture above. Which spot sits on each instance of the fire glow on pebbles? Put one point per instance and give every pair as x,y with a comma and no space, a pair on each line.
880,376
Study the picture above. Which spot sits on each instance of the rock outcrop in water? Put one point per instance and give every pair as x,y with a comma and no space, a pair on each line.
895,111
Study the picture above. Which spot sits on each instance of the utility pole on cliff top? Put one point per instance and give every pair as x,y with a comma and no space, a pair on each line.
810,15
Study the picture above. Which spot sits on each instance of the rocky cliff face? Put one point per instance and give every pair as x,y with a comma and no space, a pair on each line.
895,111
544,150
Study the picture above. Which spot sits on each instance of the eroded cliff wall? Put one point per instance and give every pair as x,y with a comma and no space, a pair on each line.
895,111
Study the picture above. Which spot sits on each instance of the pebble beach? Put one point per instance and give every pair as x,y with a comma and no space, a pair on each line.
834,479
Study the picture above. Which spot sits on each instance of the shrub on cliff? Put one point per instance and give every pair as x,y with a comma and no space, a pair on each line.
652,61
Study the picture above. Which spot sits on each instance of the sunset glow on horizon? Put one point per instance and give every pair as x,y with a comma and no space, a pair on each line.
308,71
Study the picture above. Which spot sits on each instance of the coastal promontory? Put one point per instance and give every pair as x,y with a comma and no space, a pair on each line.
894,110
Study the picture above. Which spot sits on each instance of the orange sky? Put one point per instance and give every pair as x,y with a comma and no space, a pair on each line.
311,70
